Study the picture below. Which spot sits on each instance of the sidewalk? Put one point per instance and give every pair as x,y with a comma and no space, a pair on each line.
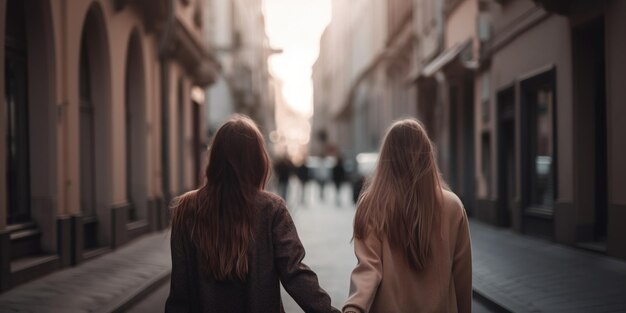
524,274
110,283
516,273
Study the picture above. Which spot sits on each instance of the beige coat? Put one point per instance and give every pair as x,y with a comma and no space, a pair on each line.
384,282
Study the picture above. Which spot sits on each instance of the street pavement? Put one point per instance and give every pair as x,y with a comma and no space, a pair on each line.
519,273
325,229
134,278
526,274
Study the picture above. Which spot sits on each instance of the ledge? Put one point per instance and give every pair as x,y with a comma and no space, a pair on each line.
193,54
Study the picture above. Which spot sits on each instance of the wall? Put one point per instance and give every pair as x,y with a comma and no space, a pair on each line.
54,41
616,111
515,61
461,23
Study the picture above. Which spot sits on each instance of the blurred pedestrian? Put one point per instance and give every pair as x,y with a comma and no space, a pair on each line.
233,243
303,175
339,175
357,187
411,234
283,168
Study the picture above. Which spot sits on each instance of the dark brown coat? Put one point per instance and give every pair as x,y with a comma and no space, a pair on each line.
275,256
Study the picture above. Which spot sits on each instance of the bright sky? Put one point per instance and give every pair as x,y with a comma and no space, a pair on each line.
296,26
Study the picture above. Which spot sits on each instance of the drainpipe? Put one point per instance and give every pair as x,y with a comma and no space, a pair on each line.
165,93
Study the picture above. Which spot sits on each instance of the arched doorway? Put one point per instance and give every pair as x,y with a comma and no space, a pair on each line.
94,137
136,191
182,144
16,108
30,127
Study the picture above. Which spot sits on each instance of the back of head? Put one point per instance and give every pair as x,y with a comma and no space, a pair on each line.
218,220
403,197
237,156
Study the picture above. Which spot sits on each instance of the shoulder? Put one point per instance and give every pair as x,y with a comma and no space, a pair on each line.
188,195
266,198
182,204
270,203
453,205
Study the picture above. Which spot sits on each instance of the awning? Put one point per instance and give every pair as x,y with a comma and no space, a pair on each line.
446,57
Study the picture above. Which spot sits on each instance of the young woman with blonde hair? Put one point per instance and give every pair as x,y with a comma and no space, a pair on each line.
233,242
411,235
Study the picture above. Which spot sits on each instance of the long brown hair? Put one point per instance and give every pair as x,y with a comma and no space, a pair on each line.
404,195
217,218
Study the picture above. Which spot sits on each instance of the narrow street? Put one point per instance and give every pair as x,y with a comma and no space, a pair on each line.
325,229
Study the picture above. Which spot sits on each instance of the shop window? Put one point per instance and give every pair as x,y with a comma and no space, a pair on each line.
538,105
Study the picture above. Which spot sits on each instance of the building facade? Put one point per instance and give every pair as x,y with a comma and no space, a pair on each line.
552,158
236,30
101,128
447,86
522,98
331,72
356,78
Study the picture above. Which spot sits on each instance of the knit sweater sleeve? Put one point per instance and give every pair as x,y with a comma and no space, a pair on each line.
297,278
179,299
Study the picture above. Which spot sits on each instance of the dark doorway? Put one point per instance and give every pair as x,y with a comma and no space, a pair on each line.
506,156
591,125
453,168
539,187
198,143
87,151
136,193
182,145
94,131
461,163
16,106
468,145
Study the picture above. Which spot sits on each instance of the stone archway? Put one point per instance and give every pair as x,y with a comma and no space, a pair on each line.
135,110
95,129
31,114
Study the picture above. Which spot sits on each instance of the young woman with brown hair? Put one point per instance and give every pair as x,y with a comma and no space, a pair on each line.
233,242
411,235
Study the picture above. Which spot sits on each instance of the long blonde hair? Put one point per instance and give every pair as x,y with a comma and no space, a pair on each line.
403,198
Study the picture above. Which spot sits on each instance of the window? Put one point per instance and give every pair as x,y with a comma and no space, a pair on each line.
538,146
541,148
